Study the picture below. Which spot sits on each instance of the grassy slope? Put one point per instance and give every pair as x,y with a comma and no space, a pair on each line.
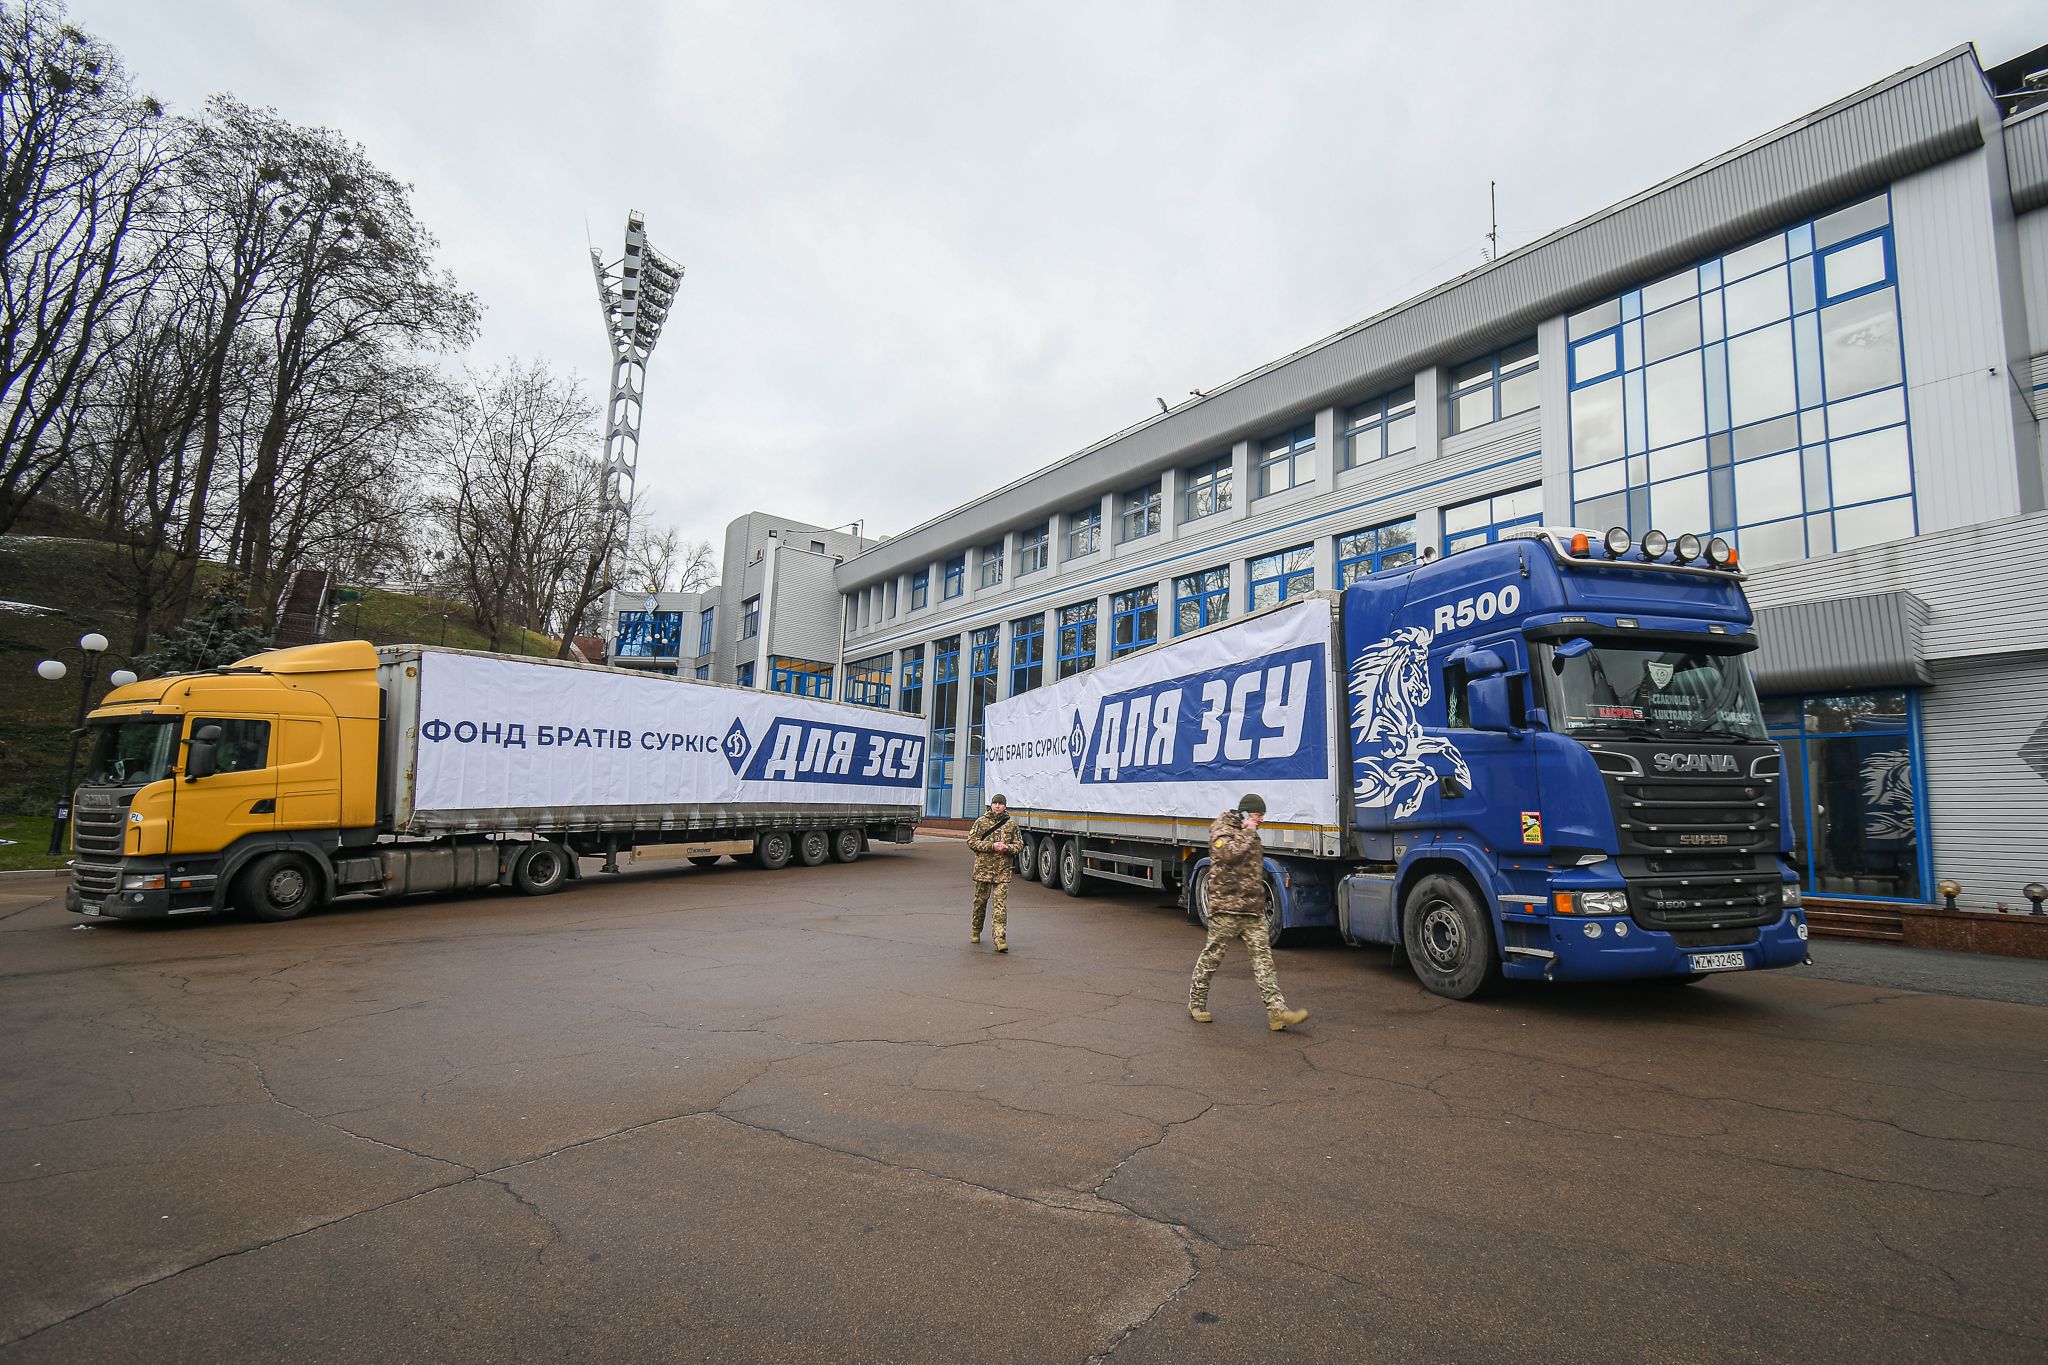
77,582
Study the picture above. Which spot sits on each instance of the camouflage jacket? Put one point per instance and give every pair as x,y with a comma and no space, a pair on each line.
992,829
1237,875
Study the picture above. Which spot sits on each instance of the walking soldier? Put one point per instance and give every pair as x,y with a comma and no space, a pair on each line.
994,840
1237,910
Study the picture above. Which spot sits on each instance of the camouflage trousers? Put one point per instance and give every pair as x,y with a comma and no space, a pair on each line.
992,896
1222,929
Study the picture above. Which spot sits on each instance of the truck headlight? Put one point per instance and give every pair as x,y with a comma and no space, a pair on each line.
143,881
1792,894
1591,902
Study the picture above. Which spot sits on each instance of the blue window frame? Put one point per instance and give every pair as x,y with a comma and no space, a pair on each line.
1276,577
984,657
1375,550
1084,530
956,576
920,589
911,698
1077,638
1032,547
704,630
867,681
1492,387
1760,395
1027,653
1381,429
1201,599
1205,489
1283,461
1140,512
1857,778
1133,620
990,564
1482,521
938,793
750,618
744,675
649,635
704,672
800,677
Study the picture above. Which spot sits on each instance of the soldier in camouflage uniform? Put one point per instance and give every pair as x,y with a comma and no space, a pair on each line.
1237,910
994,840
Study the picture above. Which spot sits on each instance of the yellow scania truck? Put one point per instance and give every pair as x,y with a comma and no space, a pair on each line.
278,783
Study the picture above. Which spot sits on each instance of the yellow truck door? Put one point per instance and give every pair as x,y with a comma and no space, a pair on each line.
239,797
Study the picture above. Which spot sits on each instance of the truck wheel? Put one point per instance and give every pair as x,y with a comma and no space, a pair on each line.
277,886
1449,937
1198,906
541,870
1198,898
813,847
1027,856
1048,861
846,845
773,849
1070,866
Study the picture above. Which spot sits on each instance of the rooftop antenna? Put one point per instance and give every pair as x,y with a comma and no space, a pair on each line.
1491,251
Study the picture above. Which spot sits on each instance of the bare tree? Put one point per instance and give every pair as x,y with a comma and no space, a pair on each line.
82,161
660,560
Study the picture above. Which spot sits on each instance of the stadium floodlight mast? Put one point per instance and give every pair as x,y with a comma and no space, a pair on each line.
636,294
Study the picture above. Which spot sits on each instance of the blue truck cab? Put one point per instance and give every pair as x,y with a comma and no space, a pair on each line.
1558,767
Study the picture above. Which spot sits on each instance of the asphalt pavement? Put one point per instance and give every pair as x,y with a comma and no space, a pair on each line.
725,1114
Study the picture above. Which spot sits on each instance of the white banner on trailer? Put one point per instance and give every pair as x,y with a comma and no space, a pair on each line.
1183,729
501,733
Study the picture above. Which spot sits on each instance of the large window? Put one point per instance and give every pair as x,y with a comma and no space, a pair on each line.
1077,638
1084,530
1760,396
867,681
1483,520
990,566
1133,620
1493,387
1205,489
1283,460
1140,512
938,792
704,630
1201,599
1027,652
1858,808
744,675
1275,578
984,657
1031,549
750,618
1375,550
800,677
911,698
920,589
1380,429
649,634
956,576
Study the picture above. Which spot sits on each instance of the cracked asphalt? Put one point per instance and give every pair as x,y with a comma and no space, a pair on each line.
723,1114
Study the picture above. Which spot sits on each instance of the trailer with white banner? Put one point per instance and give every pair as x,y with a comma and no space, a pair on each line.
300,775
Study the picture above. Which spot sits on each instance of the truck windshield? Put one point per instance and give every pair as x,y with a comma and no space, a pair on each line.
130,753
1677,691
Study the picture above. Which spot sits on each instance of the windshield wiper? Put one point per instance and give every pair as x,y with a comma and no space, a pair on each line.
1721,732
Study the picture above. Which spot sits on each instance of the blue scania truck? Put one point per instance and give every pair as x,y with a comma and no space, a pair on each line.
1541,759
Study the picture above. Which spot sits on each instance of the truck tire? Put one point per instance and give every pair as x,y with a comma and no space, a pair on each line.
1048,861
276,887
1070,866
1449,938
813,847
847,845
1027,857
1198,906
542,869
773,849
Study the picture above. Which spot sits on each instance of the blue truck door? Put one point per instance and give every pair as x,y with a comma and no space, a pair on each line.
1499,807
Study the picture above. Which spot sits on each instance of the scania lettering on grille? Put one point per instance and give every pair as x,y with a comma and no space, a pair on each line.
1695,763
1264,717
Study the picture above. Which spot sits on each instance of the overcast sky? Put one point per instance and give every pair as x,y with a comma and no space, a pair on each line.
932,246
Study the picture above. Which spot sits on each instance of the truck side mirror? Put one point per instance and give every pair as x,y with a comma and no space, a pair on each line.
1488,700
202,753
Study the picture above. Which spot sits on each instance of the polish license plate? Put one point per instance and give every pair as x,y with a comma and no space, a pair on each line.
1718,962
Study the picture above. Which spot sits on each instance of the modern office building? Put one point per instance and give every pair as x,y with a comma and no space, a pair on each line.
771,622
1826,345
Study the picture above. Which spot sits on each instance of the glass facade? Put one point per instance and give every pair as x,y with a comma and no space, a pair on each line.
1854,764
800,677
956,576
984,656
1759,395
649,635
1201,599
1133,620
1140,512
990,564
1493,387
744,675
1205,489
750,618
1481,521
938,790
867,681
1382,428
1084,531
1031,549
1283,460
1370,551
911,699
1275,578
1027,653
920,589
1077,638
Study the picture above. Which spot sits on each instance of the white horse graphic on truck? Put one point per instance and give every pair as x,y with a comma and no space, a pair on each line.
1389,683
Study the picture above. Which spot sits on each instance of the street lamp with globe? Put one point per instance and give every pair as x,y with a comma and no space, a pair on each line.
92,644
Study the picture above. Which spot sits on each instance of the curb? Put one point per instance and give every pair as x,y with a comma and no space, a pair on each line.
28,873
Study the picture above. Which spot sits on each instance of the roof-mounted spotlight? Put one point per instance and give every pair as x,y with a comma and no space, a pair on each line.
1655,544
1617,541
1689,548
1720,553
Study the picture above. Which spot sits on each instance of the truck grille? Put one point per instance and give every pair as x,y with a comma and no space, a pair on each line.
98,833
1706,902
1667,815
94,882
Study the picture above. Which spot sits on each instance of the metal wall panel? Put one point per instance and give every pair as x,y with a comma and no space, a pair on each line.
804,619
1907,123
2033,244
2026,158
1843,643
1987,805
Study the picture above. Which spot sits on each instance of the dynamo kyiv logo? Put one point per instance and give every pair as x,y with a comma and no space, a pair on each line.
736,746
